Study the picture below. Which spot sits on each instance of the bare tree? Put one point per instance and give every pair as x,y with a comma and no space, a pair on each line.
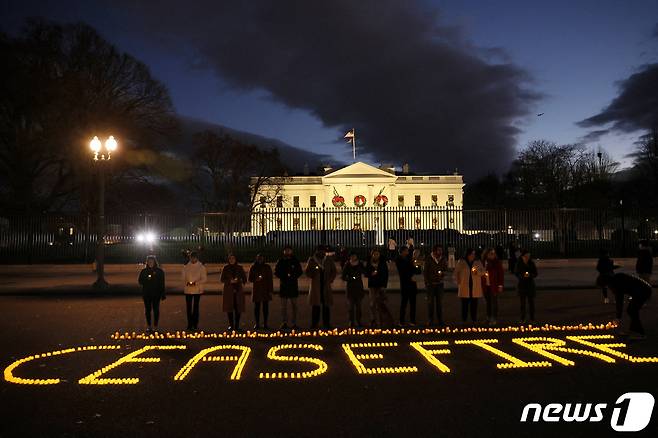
231,175
645,160
59,86
551,175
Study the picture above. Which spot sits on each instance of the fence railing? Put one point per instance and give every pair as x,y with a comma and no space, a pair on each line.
58,238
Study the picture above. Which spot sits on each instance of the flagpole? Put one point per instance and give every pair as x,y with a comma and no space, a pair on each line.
354,144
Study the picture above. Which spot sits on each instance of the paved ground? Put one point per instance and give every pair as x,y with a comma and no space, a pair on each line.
474,399
553,274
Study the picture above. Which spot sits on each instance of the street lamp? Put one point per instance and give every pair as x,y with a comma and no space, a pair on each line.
102,154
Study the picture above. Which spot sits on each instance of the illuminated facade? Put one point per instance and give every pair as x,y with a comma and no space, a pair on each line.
359,196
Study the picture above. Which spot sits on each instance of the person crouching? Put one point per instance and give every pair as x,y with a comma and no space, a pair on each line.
639,292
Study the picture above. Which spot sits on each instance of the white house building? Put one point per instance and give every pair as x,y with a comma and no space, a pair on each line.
359,196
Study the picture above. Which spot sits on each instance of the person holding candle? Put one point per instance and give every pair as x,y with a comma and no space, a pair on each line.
376,271
468,277
434,271
288,270
233,277
353,275
322,272
392,248
260,275
407,271
492,283
526,271
194,279
152,280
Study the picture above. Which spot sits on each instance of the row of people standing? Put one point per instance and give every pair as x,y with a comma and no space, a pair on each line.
475,279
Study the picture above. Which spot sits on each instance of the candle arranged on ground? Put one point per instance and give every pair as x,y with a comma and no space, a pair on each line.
374,272
260,277
439,272
526,274
474,269
150,275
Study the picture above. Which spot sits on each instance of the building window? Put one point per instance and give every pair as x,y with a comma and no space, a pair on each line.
314,223
295,223
279,201
401,222
400,200
435,200
451,201
417,200
313,201
295,201
263,201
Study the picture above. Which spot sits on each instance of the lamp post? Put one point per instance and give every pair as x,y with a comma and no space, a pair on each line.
102,155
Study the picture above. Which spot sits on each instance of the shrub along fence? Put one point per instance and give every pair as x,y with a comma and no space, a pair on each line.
71,238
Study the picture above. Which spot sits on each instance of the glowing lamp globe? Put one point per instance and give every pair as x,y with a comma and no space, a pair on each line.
111,144
95,145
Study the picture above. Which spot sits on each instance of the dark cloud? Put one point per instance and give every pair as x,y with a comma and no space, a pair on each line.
593,136
636,106
414,89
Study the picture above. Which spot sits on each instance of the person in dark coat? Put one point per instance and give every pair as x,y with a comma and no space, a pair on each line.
234,278
353,275
512,251
321,270
644,264
492,283
606,268
434,271
376,271
526,272
152,280
260,276
288,270
639,292
408,288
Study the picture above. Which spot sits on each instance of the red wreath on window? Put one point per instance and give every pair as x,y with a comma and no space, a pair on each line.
381,200
338,201
359,200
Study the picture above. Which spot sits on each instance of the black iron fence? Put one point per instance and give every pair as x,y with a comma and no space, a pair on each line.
546,232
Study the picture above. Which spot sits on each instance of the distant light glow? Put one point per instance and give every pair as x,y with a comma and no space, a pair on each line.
148,237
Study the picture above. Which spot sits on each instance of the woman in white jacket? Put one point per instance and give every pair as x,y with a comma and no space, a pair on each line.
468,277
194,278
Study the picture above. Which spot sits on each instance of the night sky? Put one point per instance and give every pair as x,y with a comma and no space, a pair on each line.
440,84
